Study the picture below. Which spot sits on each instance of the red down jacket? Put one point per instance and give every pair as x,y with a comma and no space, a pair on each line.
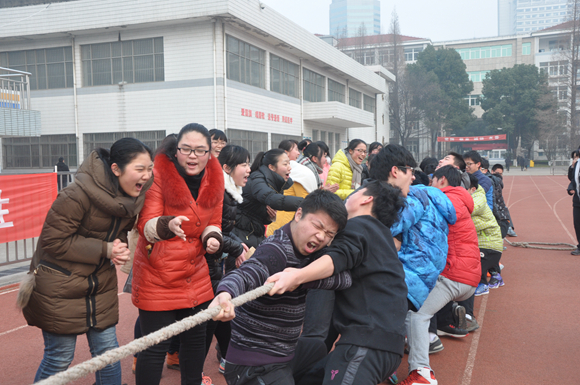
463,259
174,274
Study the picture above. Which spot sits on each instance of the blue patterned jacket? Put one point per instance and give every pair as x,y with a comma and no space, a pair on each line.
424,223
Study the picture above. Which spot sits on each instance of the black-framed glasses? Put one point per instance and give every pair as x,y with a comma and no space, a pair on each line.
405,168
197,151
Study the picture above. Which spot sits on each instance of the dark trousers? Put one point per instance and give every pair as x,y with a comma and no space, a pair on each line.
222,332
318,317
489,263
191,352
308,352
576,214
353,365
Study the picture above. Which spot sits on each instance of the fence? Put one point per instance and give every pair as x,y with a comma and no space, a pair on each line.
14,89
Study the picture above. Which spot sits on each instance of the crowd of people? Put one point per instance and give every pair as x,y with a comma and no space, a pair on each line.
371,257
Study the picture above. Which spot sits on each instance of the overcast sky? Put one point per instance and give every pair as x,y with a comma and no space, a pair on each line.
438,20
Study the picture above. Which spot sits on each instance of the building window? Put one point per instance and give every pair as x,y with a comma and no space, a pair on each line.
477,76
245,63
411,54
336,91
254,142
555,68
473,100
277,138
106,139
526,48
284,76
313,86
315,136
133,61
50,68
354,98
336,143
39,152
485,52
369,103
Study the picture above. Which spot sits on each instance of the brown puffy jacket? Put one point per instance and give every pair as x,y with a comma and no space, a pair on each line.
75,282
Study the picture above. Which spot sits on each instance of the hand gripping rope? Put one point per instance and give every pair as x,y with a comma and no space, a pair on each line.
528,245
138,345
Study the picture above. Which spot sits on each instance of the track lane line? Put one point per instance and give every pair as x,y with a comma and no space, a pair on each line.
470,364
13,330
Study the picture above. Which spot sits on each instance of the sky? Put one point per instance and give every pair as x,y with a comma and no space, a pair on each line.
438,20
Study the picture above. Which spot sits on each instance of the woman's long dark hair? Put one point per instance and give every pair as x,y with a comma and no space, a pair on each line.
267,158
355,142
233,155
122,152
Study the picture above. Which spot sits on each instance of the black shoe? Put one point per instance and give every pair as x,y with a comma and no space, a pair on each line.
435,346
472,325
459,316
575,252
451,331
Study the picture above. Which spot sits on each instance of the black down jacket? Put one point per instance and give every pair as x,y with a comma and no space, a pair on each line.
264,188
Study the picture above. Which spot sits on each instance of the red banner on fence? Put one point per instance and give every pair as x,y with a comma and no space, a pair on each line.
483,138
24,203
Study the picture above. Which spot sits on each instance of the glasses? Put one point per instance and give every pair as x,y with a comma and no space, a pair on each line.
405,168
197,151
469,163
220,143
361,151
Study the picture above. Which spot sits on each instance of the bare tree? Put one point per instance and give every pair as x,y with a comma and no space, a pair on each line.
400,92
574,64
551,126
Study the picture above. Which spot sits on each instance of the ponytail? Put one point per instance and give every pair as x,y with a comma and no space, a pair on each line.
267,158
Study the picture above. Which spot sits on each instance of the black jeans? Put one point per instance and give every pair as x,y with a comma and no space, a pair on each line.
489,262
576,215
353,365
318,317
222,332
308,352
191,351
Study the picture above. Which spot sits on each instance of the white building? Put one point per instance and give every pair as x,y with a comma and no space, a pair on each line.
144,68
521,16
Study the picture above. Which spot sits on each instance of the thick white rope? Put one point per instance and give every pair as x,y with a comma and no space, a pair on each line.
138,345
528,245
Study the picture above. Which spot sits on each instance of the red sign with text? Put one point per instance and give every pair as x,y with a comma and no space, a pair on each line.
24,203
483,138
262,115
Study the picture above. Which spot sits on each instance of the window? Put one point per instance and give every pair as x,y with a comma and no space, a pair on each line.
411,54
277,138
133,61
106,139
485,52
39,152
50,68
526,48
354,98
336,143
369,103
477,76
313,86
315,136
284,76
555,68
254,142
245,63
336,91
473,100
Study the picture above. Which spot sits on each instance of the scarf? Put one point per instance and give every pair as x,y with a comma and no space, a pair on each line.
356,171
232,189
316,169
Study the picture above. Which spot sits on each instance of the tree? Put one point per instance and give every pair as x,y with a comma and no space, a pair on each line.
510,101
447,110
551,132
574,60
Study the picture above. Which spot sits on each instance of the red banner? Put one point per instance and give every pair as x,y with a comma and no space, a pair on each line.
483,138
24,203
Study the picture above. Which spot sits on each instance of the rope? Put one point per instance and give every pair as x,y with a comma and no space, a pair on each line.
528,245
138,345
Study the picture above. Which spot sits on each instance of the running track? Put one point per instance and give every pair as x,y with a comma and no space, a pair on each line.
529,328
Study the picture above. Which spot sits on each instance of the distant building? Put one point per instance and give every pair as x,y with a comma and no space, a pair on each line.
524,16
347,17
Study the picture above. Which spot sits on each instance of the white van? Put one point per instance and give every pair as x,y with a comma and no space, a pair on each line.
494,156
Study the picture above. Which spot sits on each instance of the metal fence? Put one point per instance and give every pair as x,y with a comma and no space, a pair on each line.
17,251
14,89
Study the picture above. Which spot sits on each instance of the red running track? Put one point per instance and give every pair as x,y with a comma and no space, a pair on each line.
529,327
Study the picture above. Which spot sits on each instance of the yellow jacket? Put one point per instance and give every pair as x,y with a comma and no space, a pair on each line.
283,217
341,173
304,183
